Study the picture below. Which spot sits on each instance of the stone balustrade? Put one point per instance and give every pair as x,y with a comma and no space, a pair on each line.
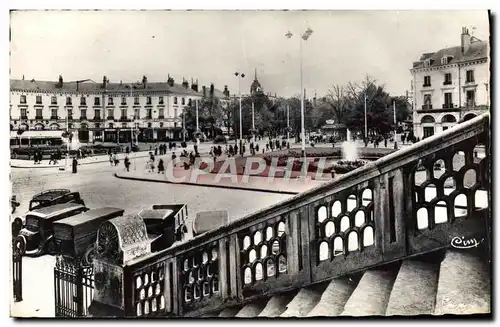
374,215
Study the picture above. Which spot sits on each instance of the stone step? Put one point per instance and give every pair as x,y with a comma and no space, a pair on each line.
276,305
414,291
251,310
464,284
305,300
371,296
334,297
229,312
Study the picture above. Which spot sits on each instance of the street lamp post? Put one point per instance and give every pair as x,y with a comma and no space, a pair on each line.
288,124
253,123
366,125
237,74
304,37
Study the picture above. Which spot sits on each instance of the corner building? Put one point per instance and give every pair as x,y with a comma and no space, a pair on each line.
450,85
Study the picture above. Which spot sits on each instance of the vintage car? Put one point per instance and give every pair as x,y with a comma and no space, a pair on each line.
75,236
38,231
54,196
165,224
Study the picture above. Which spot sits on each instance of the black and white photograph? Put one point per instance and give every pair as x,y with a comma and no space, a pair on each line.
250,164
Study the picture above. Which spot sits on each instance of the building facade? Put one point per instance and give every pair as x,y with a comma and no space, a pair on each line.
450,86
104,112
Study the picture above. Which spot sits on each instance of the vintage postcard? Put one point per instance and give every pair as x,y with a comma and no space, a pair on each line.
250,164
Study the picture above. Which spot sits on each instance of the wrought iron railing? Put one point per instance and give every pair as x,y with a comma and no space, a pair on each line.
390,209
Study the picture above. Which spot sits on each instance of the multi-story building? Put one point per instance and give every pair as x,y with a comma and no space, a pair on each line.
450,85
108,112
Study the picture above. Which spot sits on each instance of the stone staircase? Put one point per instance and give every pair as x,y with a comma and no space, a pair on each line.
453,282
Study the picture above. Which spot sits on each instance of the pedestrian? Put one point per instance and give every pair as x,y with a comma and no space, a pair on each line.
156,151
75,165
161,167
127,163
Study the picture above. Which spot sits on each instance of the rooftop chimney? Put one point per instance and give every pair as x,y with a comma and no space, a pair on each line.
194,86
466,40
185,83
212,88
170,81
23,77
226,91
104,82
204,90
60,82
145,81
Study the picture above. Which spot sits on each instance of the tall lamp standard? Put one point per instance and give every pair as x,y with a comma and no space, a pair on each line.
304,37
238,74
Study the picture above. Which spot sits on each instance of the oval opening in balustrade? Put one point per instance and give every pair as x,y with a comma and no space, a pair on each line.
368,236
281,229
200,273
138,282
246,242
460,205
367,197
322,214
259,274
211,269
146,279
204,258
422,218
481,199
142,294
186,264
215,285
440,213
153,276
191,277
139,310
449,185
439,168
351,202
336,208
324,251
162,302
206,289
353,243
338,246
150,291
252,256
329,229
263,251
248,276
359,218
458,160
157,289
257,238
420,174
269,233
430,192
153,305
270,267
345,223
276,247
161,273
470,178
196,292
281,263
146,307
214,254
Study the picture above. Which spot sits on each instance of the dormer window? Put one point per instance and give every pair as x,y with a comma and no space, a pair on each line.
427,63
446,60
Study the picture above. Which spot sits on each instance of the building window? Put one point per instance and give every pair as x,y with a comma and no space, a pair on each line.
22,99
124,101
175,112
110,101
38,99
97,101
427,81
471,98
53,100
24,114
447,79
53,114
124,125
427,102
137,113
83,114
136,100
448,102
69,101
160,100
83,101
427,63
124,113
148,100
150,125
175,100
70,113
470,76
110,114
70,125
137,125
189,102
161,124
161,114
149,114
97,114
110,125
183,101
39,114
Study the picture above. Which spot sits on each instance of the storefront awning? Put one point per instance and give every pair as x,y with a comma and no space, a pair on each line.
38,134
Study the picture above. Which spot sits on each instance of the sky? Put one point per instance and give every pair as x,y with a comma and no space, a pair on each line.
212,45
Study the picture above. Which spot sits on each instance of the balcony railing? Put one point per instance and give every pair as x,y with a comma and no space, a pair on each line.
38,117
161,117
448,106
54,117
83,117
148,117
469,81
125,119
379,213
426,85
427,107
24,117
110,118
470,104
447,83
